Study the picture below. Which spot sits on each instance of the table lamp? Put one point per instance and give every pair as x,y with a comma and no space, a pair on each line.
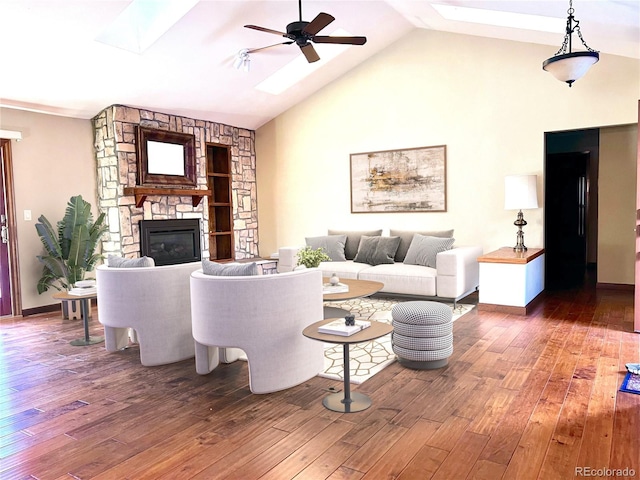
520,193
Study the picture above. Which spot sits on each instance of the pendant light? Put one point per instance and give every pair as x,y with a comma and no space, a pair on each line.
568,66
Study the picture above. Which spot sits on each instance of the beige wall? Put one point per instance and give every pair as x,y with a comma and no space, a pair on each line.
616,205
54,161
487,100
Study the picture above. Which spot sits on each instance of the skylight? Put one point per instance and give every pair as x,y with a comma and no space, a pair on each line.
143,22
502,19
299,68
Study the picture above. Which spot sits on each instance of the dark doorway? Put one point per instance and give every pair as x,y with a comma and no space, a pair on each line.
571,208
566,220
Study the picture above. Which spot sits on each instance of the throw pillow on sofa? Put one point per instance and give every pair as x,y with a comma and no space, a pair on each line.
406,237
353,240
423,250
377,250
114,261
229,270
333,245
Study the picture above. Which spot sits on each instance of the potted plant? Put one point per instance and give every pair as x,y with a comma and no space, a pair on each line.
70,248
311,258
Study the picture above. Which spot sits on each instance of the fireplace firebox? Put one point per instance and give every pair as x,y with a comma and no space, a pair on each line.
170,242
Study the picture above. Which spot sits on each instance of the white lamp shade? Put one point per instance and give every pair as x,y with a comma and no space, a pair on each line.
520,192
570,66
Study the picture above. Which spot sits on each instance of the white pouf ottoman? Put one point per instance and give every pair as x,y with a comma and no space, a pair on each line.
422,335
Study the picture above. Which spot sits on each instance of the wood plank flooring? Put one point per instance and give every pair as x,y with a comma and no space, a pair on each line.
531,397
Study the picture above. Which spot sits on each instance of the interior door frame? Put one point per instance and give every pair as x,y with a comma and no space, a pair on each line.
14,270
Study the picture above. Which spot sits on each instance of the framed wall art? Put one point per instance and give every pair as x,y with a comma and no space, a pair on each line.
409,180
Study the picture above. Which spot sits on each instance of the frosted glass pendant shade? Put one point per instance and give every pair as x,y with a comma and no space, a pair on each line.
569,67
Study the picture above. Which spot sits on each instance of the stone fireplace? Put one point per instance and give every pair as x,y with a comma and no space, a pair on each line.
116,161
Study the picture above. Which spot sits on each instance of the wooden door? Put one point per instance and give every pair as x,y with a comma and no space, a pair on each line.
636,318
5,268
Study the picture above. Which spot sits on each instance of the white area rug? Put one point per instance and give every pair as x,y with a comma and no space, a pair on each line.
367,359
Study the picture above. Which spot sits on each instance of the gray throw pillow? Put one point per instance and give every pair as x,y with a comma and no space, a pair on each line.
114,261
229,270
423,250
333,245
407,236
353,240
377,250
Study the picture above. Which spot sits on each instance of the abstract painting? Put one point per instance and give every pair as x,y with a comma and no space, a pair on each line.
409,180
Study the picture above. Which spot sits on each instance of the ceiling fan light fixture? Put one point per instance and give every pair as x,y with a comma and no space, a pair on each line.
242,60
568,66
304,34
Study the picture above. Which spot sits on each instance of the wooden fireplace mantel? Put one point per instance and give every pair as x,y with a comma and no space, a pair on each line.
141,193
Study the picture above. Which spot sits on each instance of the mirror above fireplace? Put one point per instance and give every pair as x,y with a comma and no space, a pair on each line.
165,158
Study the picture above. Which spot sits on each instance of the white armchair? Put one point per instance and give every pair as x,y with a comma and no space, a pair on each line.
263,315
154,302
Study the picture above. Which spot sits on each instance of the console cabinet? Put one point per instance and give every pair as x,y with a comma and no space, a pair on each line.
511,281
221,241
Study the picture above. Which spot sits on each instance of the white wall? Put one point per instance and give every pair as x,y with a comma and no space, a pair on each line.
487,100
54,161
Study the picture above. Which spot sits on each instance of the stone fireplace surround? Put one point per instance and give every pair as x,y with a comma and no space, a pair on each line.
116,160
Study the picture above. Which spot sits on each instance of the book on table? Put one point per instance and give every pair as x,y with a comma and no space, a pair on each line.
338,327
337,288
79,291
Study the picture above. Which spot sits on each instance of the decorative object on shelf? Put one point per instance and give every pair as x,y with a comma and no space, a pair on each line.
520,193
334,280
311,258
408,180
70,248
568,66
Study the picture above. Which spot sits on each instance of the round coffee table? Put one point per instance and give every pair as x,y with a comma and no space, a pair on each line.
347,403
357,289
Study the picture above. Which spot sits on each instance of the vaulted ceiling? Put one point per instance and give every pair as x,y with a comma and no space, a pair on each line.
53,63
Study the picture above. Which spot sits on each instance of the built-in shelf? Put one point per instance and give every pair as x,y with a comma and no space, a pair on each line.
221,241
141,193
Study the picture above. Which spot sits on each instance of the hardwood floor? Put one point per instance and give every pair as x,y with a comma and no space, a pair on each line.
522,398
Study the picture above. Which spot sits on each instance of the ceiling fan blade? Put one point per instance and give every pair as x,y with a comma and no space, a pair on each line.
267,30
342,40
318,23
310,53
252,50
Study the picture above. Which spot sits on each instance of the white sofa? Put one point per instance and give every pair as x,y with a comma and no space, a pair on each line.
263,315
455,275
155,303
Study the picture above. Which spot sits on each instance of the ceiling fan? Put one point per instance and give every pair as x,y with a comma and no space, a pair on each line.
303,33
